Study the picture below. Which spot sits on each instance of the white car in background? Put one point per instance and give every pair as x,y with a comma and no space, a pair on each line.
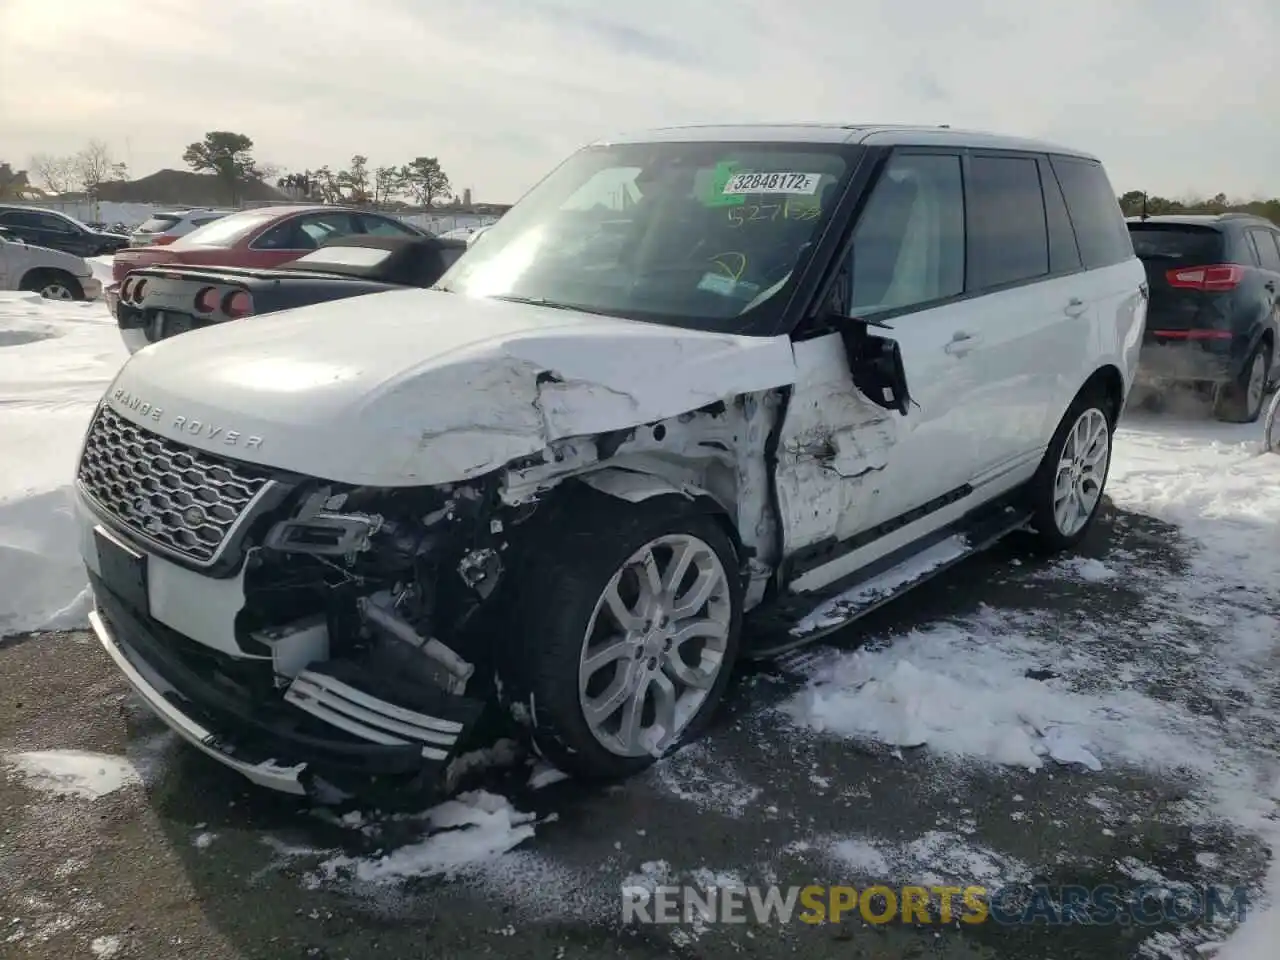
164,228
50,273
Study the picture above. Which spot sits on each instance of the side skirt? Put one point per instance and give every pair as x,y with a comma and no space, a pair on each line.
796,619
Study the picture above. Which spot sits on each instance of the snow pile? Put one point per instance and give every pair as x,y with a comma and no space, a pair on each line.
471,828
76,774
56,360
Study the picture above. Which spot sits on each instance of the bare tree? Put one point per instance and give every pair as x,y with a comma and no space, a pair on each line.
93,167
58,174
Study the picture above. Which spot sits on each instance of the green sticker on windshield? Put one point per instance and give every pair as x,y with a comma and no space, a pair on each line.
720,178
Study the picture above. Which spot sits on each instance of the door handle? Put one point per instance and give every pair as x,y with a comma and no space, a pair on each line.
1075,306
961,343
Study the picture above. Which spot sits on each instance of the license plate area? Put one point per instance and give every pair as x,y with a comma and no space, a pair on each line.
123,570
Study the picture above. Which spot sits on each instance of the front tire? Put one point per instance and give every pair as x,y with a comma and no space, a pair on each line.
1066,491
629,622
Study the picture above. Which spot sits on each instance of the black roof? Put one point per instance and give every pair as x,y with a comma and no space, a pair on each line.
1203,219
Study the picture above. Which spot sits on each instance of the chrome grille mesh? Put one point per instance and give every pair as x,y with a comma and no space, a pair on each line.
169,493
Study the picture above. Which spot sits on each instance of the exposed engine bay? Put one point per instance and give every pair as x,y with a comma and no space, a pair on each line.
411,583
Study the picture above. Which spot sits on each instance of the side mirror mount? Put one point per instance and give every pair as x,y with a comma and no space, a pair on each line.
875,365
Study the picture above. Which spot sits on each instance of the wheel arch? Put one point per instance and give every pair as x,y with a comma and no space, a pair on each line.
35,273
638,486
1109,381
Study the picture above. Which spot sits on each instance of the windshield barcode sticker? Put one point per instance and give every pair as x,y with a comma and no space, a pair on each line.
803,183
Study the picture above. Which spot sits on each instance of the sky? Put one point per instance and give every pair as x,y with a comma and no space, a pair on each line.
1178,97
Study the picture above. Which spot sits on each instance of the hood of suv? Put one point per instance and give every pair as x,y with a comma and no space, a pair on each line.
419,387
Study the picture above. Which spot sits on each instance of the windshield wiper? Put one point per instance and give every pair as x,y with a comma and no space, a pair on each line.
534,302
551,304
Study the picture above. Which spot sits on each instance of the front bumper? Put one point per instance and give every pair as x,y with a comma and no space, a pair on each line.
159,696
337,722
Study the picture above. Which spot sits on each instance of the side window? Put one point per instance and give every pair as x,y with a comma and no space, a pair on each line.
318,227
1268,252
1064,253
23,218
47,221
283,236
306,232
908,246
1008,235
385,227
1095,212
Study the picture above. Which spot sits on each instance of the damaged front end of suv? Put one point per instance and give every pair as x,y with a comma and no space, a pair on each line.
318,635
322,548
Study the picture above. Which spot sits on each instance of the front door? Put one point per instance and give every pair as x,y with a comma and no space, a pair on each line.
846,465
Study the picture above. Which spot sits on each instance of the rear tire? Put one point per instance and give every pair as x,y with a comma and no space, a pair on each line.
1066,492
1241,400
602,635
53,285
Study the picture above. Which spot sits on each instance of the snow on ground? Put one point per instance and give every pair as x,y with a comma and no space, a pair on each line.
74,773
1012,687
56,360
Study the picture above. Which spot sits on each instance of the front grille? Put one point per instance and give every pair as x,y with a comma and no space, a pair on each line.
179,498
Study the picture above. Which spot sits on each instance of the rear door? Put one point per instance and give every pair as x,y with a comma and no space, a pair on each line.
1186,268
1030,325
1112,279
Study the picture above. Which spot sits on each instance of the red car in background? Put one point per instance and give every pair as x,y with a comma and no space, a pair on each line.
262,237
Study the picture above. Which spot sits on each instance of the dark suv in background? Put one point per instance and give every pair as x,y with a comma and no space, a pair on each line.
1214,315
57,231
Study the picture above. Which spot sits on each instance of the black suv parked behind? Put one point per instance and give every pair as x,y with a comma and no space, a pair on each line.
57,231
1214,315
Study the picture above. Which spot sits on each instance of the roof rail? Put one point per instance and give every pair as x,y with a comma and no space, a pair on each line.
1239,215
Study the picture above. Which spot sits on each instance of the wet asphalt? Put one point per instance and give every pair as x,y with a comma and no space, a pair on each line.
747,799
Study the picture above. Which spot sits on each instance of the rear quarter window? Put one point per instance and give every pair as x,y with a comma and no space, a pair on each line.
1168,241
1095,211
158,224
1268,250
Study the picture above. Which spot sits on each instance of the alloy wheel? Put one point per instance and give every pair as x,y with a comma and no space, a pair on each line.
655,645
1082,470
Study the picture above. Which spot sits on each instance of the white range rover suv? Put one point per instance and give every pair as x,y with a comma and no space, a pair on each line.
703,394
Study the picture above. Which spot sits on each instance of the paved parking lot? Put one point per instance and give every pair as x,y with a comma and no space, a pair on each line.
183,860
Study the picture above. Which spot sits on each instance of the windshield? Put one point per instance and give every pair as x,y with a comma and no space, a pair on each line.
702,235
225,232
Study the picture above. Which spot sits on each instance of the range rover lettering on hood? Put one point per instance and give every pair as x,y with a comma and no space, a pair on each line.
124,400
